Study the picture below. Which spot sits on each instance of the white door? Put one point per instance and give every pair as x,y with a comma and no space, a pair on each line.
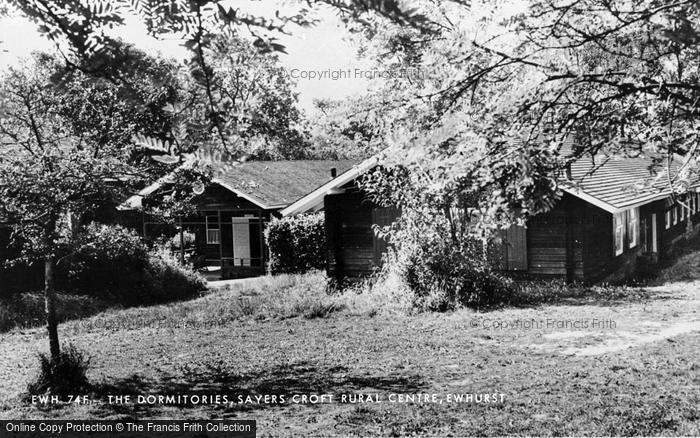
241,241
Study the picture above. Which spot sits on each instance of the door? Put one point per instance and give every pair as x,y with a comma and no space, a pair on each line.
645,233
509,251
241,241
516,248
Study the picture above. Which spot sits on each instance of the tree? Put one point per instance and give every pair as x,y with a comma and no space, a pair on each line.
47,173
65,152
253,102
345,128
501,88
81,29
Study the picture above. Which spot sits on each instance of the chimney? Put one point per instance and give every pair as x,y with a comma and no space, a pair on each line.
334,172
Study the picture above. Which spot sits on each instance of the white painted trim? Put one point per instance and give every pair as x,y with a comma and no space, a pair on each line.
592,200
654,243
313,200
135,202
611,208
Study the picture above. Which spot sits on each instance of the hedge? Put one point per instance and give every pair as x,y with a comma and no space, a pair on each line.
297,244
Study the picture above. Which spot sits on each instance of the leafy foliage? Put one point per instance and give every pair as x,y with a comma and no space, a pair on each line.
83,28
297,244
248,97
113,262
106,260
507,95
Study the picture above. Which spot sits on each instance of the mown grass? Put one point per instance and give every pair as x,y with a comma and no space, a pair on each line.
286,335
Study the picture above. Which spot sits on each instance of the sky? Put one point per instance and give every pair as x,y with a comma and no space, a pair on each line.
313,54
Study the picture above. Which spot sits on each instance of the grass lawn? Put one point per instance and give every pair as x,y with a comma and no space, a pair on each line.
636,372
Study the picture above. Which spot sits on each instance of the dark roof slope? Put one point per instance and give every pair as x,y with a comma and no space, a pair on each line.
276,184
620,183
611,183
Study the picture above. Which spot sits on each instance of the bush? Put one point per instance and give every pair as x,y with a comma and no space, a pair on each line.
167,280
297,244
106,261
444,271
113,262
67,375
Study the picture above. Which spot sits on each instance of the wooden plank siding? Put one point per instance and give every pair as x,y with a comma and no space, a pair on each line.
555,241
573,241
354,250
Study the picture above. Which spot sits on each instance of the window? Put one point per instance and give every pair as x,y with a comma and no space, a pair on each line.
619,232
674,213
213,231
633,227
667,220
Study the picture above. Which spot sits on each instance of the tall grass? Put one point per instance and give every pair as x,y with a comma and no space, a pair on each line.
27,309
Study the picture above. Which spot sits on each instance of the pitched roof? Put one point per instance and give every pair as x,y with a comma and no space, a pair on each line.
276,184
617,184
613,184
314,199
268,184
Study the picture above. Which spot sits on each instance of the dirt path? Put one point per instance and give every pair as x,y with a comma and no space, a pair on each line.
679,315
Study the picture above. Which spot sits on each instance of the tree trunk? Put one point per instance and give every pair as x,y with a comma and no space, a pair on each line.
50,305
182,246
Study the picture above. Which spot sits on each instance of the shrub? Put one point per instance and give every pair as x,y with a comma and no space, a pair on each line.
297,244
443,270
108,266
107,261
67,375
113,262
167,280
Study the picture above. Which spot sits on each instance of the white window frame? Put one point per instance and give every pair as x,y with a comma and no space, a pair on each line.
213,238
619,233
667,220
633,227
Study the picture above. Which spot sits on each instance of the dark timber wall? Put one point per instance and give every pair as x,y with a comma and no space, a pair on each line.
353,248
574,241
555,240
